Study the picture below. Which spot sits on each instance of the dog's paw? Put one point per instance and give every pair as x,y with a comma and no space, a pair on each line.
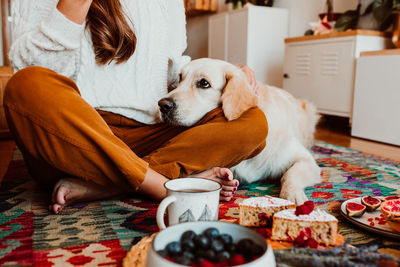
295,195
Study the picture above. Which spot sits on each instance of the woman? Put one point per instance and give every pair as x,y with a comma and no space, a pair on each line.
86,120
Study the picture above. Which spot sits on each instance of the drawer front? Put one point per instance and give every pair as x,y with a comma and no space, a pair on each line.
323,73
335,76
298,72
377,98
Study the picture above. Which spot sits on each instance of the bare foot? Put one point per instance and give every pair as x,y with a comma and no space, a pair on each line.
225,177
72,190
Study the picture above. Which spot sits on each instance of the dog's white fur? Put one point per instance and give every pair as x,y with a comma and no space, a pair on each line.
291,122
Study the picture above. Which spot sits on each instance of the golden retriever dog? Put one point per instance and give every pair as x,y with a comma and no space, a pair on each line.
208,83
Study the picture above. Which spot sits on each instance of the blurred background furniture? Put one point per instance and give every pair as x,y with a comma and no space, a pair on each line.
321,68
5,70
252,36
195,7
5,74
377,97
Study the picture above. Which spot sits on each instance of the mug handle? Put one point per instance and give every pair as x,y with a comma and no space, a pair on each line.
161,210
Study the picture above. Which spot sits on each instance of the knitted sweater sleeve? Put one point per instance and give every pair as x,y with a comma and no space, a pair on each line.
43,36
177,40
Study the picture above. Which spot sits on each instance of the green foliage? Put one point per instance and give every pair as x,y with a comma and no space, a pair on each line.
348,20
382,10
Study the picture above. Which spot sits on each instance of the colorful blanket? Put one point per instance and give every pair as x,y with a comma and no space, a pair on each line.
100,233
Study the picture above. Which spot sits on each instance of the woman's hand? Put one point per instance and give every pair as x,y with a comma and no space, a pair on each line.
250,75
74,10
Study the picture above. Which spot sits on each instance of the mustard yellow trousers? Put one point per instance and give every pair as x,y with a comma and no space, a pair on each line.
61,135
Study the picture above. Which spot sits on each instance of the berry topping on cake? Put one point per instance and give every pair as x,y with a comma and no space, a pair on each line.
316,227
304,209
310,205
304,239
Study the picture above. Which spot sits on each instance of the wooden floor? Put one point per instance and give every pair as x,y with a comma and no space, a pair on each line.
336,130
333,130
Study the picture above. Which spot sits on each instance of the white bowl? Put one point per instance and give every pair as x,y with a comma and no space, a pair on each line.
173,233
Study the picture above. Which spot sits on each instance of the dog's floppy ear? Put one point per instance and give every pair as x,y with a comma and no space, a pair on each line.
237,97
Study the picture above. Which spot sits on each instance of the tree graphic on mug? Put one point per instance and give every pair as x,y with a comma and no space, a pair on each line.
206,214
187,216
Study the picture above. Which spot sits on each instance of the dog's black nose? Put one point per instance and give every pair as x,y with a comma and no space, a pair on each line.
166,105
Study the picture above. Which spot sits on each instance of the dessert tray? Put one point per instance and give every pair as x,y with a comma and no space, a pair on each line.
371,221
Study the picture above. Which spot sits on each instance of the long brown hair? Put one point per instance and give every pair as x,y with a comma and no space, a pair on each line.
113,39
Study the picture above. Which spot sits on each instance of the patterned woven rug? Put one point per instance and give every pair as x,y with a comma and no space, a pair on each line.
100,233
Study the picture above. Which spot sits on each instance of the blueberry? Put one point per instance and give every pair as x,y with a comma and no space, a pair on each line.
202,242
222,256
188,235
226,239
217,245
231,248
188,255
211,232
173,249
187,245
257,250
210,255
245,244
246,247
163,253
199,259
182,260
200,254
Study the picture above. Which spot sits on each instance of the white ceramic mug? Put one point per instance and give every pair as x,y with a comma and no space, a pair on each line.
189,199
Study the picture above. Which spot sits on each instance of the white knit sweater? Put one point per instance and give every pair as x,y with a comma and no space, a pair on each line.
43,36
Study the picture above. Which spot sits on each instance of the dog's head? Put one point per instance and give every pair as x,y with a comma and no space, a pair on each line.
205,84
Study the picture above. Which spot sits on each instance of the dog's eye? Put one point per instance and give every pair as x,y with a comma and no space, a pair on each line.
180,77
203,84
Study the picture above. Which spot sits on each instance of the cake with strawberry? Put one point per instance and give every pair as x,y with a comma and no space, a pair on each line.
305,224
258,211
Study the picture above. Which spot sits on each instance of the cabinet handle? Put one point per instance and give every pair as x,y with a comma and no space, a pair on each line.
286,76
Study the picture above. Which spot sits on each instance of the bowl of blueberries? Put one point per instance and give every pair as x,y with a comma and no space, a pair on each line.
213,244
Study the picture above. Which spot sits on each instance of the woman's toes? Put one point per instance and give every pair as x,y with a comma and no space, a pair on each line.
229,188
61,195
224,173
223,198
226,193
56,208
225,177
230,183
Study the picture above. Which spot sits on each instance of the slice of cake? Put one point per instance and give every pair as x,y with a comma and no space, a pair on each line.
319,225
258,211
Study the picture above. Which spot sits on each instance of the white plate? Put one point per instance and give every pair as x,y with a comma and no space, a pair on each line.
363,222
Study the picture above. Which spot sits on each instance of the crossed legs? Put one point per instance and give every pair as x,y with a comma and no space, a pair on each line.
88,157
